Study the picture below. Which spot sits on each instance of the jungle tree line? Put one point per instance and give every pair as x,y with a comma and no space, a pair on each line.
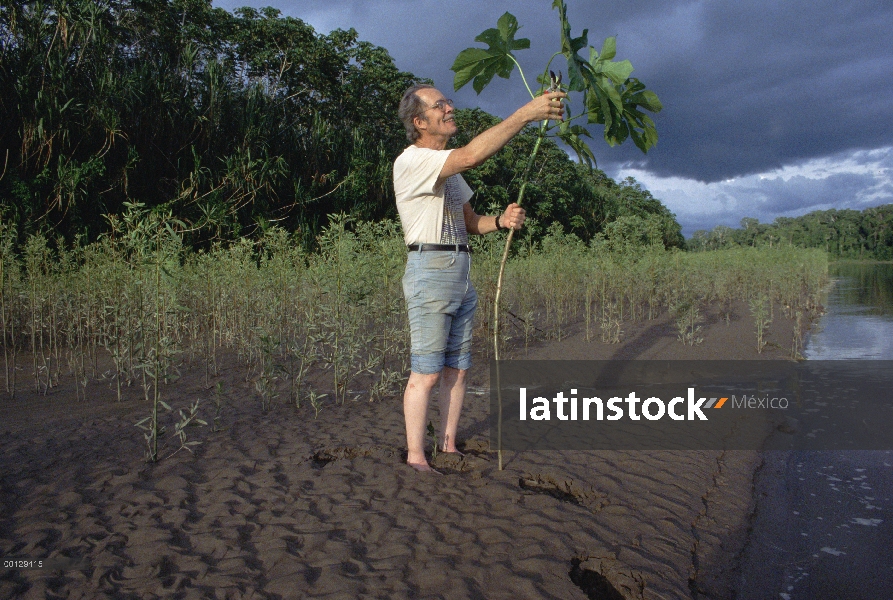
234,122
230,119
845,233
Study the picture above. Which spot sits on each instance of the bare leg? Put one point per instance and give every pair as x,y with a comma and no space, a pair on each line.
452,395
415,411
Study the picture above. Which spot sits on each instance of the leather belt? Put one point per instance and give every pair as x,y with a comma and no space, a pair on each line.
439,247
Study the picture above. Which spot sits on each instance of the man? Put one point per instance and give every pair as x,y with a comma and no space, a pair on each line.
432,200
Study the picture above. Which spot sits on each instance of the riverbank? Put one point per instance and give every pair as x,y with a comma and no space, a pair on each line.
289,504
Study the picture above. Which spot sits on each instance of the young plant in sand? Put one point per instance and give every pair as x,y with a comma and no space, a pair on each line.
37,267
689,321
611,322
302,352
156,234
265,384
187,419
219,404
432,433
589,296
797,339
609,97
759,308
341,328
316,401
105,264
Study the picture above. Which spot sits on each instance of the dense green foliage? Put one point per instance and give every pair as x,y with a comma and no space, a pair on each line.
846,233
231,122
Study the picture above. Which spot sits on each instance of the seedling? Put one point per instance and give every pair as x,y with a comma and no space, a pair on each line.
316,402
187,419
759,308
432,433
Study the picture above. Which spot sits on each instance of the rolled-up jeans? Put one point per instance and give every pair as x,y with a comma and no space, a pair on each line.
440,300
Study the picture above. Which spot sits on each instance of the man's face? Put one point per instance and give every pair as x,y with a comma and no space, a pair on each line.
436,122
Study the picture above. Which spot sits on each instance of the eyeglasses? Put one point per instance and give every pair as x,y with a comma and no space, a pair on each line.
441,104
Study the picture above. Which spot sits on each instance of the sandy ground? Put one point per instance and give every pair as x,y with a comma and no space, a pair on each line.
287,505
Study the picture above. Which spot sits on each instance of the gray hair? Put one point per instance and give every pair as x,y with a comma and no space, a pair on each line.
411,106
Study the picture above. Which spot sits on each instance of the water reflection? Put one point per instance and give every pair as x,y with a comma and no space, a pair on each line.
859,321
863,288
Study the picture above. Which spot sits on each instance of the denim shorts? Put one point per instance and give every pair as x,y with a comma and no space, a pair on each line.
440,300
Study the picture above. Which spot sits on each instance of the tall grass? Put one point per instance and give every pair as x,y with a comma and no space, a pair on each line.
135,308
562,281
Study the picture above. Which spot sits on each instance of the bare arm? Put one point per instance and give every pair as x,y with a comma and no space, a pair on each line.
476,224
491,141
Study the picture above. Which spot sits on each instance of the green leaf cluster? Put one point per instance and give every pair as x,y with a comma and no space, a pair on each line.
610,97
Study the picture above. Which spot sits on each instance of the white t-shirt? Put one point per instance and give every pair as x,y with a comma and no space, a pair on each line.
429,215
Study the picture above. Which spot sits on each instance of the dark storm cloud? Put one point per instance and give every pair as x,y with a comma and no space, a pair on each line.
774,84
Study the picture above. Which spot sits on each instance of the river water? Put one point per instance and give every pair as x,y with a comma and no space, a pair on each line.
824,521
859,319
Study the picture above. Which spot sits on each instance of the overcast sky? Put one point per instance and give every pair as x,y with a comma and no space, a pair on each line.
771,108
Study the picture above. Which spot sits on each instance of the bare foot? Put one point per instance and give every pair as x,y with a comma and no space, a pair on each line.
423,468
453,451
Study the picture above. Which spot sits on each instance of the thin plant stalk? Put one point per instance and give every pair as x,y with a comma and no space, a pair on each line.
499,278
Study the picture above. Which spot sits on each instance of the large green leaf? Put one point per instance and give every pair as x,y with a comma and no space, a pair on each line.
603,63
641,126
479,65
617,71
602,102
611,92
609,48
468,65
647,100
